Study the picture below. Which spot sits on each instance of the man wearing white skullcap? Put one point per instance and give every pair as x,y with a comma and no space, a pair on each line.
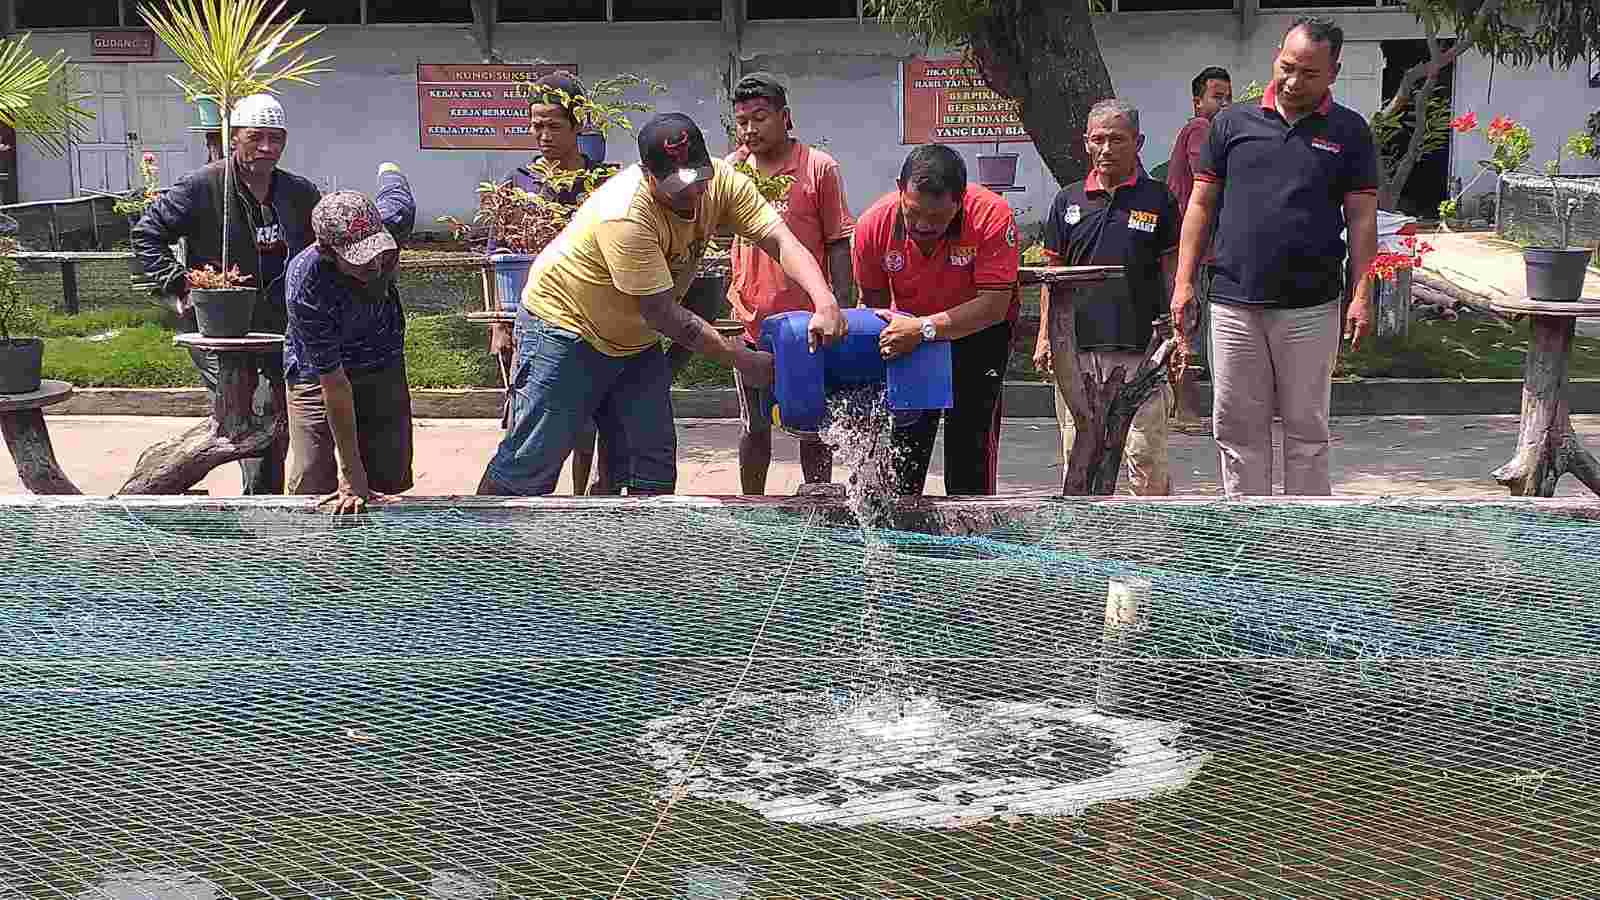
269,221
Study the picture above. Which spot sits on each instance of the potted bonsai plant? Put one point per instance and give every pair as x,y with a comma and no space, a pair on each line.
21,358
227,45
521,224
1553,273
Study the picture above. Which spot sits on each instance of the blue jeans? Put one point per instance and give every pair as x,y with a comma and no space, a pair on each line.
559,385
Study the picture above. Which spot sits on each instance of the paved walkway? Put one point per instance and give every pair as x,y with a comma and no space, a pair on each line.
1483,262
1394,455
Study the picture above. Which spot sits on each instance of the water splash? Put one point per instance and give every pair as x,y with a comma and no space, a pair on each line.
859,427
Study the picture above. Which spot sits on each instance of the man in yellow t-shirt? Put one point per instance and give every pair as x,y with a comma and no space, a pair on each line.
605,291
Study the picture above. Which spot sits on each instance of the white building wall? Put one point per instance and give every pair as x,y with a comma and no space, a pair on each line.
843,78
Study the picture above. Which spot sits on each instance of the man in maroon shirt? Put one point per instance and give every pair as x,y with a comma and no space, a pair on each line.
1212,92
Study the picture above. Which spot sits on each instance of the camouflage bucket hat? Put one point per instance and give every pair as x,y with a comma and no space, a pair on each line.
349,222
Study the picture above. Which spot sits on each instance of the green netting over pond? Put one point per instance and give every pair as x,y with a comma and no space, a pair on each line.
672,699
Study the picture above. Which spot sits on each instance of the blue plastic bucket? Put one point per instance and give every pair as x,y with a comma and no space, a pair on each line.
510,277
918,381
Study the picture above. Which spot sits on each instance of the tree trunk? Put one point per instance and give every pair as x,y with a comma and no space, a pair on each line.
484,15
1046,57
29,442
233,432
1547,447
1428,72
1102,410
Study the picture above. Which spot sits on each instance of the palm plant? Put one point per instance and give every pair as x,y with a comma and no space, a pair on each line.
228,46
38,98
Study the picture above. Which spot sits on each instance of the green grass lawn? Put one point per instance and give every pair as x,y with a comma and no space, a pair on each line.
123,339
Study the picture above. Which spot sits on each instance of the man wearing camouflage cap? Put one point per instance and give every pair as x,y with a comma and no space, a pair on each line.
344,351
605,291
269,221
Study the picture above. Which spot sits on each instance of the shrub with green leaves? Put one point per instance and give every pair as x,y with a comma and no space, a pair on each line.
16,314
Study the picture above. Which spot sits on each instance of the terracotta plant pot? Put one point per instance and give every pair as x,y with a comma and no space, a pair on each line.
224,313
21,363
1555,274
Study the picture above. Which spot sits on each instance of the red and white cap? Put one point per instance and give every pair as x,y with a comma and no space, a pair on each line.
348,223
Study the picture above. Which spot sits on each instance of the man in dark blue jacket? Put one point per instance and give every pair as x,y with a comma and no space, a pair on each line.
344,351
269,221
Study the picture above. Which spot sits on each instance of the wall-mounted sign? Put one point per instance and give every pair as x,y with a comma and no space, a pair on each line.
122,43
944,101
476,107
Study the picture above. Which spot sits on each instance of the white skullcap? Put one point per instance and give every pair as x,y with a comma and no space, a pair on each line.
258,111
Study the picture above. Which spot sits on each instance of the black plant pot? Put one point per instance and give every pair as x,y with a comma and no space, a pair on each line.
1555,274
21,364
224,313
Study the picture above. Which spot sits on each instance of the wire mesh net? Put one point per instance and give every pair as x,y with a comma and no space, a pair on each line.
1528,211
668,700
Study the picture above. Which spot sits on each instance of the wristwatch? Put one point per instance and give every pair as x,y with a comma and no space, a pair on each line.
928,332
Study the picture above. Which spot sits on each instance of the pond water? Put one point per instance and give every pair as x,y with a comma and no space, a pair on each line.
639,702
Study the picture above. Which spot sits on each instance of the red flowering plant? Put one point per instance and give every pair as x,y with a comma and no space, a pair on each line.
1511,144
1388,264
139,200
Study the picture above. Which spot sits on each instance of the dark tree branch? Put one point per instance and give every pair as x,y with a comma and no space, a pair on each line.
29,442
1102,409
483,23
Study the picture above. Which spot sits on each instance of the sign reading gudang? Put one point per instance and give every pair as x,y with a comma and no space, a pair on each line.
945,101
469,106
122,43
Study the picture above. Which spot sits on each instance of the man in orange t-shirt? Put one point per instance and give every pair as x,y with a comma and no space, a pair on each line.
942,255
817,213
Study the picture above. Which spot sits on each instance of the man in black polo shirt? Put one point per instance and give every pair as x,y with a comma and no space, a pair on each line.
1118,216
1282,179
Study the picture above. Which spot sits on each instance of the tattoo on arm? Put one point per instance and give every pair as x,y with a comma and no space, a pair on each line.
666,315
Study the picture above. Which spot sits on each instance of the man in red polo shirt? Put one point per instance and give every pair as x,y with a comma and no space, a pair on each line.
941,256
1212,92
816,211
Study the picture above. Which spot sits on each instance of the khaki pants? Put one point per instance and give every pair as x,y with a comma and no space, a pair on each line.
1267,362
383,434
1144,457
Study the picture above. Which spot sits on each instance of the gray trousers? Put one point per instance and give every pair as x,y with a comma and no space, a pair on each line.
262,475
1266,363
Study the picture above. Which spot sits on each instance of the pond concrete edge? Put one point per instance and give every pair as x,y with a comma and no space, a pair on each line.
1023,400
